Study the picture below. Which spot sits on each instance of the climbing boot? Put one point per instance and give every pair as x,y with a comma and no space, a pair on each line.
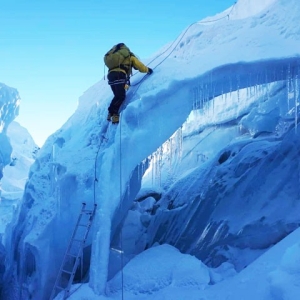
115,119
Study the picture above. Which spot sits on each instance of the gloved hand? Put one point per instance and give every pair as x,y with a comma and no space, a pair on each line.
127,84
150,71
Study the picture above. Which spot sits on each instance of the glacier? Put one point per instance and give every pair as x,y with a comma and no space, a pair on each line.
15,174
9,109
202,168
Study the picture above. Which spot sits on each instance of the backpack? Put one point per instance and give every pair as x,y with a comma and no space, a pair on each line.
116,56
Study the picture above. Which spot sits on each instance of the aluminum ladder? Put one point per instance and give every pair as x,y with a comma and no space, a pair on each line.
74,252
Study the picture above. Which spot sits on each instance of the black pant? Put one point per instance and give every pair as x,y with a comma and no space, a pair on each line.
117,82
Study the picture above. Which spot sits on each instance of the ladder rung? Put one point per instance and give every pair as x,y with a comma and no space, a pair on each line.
59,287
72,255
76,240
87,211
84,225
68,272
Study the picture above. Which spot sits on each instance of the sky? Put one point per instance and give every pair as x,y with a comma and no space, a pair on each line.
53,50
204,173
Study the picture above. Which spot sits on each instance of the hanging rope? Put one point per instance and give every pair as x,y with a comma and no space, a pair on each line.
138,84
95,173
121,232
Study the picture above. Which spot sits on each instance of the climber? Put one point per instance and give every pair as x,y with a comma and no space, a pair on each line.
120,61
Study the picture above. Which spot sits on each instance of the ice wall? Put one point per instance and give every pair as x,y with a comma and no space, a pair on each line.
236,186
9,108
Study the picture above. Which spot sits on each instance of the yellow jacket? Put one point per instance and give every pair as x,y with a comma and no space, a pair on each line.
131,62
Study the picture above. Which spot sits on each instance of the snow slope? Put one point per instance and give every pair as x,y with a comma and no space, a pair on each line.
163,273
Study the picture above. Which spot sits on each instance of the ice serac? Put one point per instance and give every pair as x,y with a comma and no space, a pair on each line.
199,203
22,157
181,216
15,174
9,108
61,178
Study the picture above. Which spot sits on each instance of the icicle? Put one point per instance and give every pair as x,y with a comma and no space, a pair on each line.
55,190
194,98
180,143
197,91
157,167
153,169
168,154
238,88
171,157
156,180
211,109
256,85
288,84
247,92
140,174
161,155
199,96
267,92
296,93
143,167
267,88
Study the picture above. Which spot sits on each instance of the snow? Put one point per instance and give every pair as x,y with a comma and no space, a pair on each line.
15,174
162,273
198,186
9,107
247,8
